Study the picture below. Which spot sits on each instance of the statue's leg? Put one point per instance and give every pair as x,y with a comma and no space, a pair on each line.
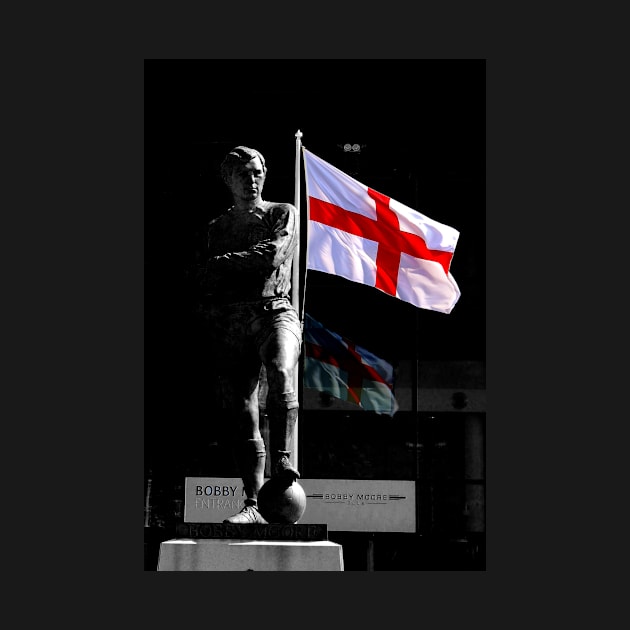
280,352
248,446
237,364
281,426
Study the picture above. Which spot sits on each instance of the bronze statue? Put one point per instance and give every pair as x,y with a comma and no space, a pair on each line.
246,284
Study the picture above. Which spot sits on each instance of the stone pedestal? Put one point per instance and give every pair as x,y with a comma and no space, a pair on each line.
188,554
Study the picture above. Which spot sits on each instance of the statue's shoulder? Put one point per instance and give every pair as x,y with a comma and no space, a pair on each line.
280,207
218,218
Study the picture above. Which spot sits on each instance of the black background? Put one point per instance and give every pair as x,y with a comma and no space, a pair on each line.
421,126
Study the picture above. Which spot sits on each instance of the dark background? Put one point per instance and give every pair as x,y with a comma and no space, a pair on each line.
421,126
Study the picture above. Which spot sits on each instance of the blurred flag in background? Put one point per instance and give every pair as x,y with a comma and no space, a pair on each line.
335,365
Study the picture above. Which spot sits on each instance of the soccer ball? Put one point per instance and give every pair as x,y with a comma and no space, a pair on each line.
279,503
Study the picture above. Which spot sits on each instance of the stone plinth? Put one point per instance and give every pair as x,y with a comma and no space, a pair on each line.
188,554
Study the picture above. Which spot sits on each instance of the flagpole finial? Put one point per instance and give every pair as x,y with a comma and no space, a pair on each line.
298,134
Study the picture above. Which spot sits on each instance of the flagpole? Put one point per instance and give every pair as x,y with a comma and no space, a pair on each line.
415,383
296,289
295,280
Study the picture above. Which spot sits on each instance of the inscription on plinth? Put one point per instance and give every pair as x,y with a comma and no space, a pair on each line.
253,531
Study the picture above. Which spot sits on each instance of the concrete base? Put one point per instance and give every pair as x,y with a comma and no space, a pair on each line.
188,554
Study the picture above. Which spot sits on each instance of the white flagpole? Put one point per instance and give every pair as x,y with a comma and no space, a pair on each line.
295,280
295,284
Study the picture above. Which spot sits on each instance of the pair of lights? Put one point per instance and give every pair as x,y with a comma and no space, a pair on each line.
352,148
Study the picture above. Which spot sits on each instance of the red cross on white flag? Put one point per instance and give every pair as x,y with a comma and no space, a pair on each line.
366,237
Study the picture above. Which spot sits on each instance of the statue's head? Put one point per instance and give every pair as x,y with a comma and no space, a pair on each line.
238,156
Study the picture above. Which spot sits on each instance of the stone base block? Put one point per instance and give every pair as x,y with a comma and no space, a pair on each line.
188,554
